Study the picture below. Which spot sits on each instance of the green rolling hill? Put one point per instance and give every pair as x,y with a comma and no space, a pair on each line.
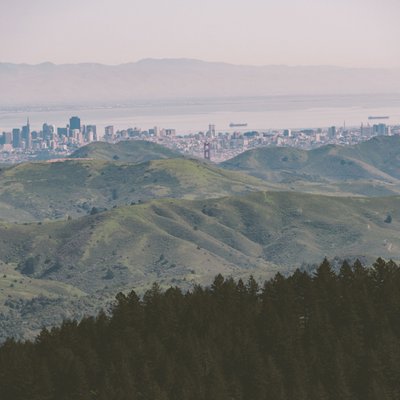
53,190
382,152
134,151
27,304
285,229
374,166
181,221
182,242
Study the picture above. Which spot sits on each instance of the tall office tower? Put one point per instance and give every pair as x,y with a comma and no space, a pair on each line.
48,131
332,132
78,136
379,129
91,130
62,132
16,138
7,137
26,135
74,123
211,131
207,151
109,132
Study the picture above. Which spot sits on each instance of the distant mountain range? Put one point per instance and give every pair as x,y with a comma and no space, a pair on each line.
179,78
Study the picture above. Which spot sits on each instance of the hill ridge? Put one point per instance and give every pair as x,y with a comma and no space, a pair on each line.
375,160
184,242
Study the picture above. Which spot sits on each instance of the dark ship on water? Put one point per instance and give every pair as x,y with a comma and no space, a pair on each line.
378,117
235,125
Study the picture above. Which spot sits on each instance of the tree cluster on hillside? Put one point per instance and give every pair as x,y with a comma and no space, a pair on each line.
321,336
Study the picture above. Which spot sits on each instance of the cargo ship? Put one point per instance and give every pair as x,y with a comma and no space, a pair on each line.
378,117
233,125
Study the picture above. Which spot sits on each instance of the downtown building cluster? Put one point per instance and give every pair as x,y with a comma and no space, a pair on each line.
23,144
221,145
62,139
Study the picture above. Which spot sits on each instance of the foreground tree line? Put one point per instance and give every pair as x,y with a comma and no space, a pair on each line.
321,336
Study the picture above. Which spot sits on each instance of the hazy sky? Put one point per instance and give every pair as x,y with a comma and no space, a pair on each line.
296,32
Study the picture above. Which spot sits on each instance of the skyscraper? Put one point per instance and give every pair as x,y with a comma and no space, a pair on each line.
91,133
74,123
380,129
26,135
109,132
211,131
48,131
332,132
207,151
16,138
7,137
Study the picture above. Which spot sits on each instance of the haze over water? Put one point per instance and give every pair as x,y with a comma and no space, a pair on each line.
194,115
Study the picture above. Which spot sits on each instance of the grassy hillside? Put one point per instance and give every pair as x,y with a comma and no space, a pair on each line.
42,190
181,242
27,304
169,238
35,191
382,152
374,165
134,151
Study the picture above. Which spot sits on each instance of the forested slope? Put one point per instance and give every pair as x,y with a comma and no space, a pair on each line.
303,337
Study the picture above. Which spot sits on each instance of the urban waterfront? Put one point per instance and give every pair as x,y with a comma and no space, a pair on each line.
227,126
193,115
51,142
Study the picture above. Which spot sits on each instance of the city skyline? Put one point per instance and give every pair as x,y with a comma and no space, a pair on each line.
350,33
22,144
